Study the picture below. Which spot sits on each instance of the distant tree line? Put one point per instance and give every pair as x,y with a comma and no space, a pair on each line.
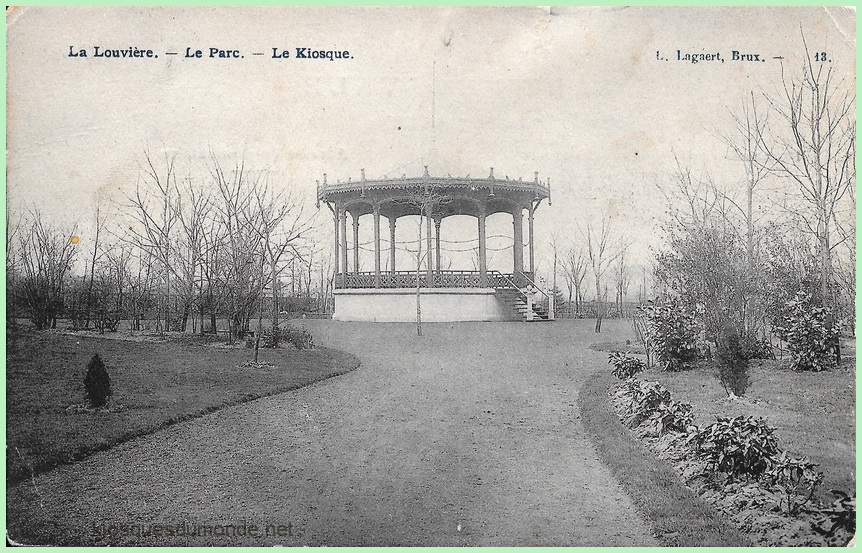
186,247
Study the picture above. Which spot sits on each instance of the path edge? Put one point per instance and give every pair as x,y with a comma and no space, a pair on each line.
676,515
85,452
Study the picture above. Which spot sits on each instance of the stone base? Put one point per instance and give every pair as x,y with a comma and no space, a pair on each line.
438,305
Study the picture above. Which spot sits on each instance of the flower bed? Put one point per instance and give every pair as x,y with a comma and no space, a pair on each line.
736,465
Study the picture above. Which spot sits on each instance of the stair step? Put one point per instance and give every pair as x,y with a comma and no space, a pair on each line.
514,298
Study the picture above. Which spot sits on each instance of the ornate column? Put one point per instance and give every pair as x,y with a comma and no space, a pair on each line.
335,220
392,243
518,246
376,244
342,217
483,268
437,221
530,213
355,218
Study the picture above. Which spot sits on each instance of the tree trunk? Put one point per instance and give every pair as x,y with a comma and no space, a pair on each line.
185,322
418,281
90,292
554,276
92,270
600,305
274,276
826,266
167,301
259,328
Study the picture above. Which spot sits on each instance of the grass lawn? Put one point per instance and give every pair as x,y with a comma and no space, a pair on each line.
814,413
676,514
618,347
156,383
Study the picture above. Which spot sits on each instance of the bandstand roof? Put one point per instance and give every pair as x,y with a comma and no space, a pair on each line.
397,197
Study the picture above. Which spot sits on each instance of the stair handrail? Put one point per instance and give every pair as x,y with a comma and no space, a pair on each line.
530,281
508,280
527,299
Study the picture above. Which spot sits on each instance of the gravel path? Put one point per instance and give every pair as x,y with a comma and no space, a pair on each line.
469,435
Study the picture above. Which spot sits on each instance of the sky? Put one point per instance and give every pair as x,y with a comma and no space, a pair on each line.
578,94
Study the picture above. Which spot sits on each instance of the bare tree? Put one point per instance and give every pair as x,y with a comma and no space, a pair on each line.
706,260
426,203
575,270
694,199
279,222
621,282
194,208
140,286
240,250
94,258
745,141
170,224
155,213
117,278
13,228
47,253
211,285
816,149
555,249
643,289
602,250
325,274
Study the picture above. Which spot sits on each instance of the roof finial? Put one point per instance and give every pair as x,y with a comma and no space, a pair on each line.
426,171
491,176
324,179
363,174
537,177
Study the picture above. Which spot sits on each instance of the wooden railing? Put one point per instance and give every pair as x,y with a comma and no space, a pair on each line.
496,279
439,279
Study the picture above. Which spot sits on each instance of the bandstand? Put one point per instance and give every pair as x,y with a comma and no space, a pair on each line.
446,295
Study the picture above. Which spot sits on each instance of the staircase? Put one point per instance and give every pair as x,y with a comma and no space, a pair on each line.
515,299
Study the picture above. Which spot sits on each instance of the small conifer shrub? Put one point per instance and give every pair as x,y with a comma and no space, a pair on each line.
97,383
732,362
